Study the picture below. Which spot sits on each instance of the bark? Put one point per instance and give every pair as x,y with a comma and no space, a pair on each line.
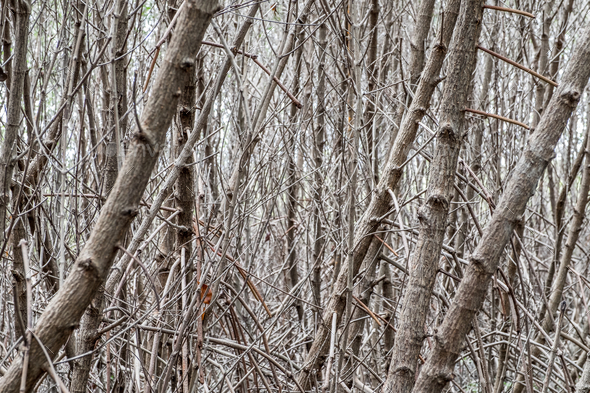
184,193
572,239
63,313
187,152
14,114
87,336
18,275
371,65
117,124
380,200
418,42
475,145
362,291
5,76
184,196
437,371
559,205
583,385
318,160
558,48
293,185
424,263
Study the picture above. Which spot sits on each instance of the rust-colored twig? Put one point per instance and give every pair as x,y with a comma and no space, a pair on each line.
244,275
517,65
364,307
486,114
147,80
278,82
512,10
387,245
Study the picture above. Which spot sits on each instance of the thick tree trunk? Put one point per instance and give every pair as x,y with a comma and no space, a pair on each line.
380,201
437,371
423,265
63,313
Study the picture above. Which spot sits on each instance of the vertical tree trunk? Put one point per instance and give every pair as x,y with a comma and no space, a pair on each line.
318,158
293,184
18,68
86,337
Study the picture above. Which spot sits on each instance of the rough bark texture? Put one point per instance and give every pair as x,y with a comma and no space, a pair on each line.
86,337
438,370
318,159
293,190
583,385
423,265
184,156
63,313
184,193
380,201
18,68
418,41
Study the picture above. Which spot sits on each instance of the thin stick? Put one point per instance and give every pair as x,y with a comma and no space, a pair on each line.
554,348
216,45
50,368
146,271
371,314
507,60
486,114
387,245
278,82
512,10
23,382
147,80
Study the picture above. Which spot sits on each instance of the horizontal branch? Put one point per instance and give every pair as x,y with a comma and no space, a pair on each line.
517,65
486,114
512,10
216,45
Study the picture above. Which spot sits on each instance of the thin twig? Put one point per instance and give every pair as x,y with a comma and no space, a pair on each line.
517,65
511,10
486,114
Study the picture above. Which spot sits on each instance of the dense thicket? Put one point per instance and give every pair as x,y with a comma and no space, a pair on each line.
335,196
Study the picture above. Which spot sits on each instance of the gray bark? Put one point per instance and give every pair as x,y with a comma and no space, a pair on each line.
63,313
424,263
437,371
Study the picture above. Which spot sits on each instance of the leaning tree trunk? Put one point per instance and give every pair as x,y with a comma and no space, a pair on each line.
380,201
63,313
423,265
438,370
86,336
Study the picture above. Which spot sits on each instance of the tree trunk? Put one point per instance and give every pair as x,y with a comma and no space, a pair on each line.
437,371
380,200
424,263
63,313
